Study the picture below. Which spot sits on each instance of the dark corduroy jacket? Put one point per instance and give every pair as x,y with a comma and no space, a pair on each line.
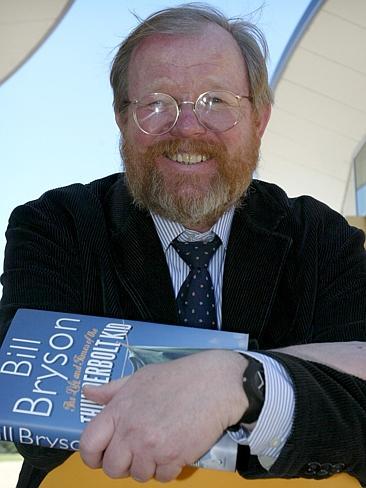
295,273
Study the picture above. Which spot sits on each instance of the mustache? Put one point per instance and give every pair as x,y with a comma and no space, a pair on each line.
173,146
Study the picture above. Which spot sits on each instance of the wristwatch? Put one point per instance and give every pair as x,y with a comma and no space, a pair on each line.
254,388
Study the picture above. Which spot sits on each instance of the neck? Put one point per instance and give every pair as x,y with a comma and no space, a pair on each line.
199,228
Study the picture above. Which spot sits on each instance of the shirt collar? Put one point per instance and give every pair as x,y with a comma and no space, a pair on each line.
168,230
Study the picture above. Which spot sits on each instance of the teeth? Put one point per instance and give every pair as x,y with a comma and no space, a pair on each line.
187,158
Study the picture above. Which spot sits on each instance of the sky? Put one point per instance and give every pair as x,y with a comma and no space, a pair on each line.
56,119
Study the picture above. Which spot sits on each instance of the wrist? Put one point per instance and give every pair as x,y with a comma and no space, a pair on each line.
236,401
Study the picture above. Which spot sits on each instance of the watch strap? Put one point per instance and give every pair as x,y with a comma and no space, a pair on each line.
254,388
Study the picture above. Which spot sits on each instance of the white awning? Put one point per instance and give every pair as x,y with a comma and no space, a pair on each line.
24,25
319,118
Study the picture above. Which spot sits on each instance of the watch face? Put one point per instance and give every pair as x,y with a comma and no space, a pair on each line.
259,380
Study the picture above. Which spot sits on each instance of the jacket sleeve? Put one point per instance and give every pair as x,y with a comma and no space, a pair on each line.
329,426
41,271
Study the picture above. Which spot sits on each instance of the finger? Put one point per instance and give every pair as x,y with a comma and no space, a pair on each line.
95,439
117,460
104,393
167,472
142,469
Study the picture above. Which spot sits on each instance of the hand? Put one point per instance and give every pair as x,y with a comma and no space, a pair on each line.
165,416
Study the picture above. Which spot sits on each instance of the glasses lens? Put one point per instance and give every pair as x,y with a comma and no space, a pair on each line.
218,110
156,113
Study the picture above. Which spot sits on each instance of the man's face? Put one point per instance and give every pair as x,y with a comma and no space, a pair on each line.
197,194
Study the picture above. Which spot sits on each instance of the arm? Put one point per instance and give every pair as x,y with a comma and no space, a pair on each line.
165,416
329,431
41,270
328,374
149,431
267,436
336,313
349,357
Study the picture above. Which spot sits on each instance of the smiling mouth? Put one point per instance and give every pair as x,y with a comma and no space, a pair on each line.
187,158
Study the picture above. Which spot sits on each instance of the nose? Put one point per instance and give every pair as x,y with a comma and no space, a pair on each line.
187,124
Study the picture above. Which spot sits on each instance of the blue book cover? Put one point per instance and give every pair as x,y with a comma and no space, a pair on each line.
47,357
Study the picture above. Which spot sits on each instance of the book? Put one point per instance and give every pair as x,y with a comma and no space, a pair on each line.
47,357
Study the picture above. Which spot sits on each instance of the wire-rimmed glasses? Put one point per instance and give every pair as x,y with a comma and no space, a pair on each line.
216,110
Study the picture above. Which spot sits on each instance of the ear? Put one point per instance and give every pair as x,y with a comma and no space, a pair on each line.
263,116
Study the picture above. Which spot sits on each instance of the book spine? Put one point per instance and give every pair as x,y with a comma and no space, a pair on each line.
40,437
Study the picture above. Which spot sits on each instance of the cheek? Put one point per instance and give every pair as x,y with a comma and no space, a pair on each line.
238,136
136,138
231,139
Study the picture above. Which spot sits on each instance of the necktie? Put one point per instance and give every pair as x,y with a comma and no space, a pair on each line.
196,298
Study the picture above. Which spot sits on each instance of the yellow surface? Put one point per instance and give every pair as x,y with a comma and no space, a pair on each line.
74,473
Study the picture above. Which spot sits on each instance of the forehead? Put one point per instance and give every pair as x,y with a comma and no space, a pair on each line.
187,63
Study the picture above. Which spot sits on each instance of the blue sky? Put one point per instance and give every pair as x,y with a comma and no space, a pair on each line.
56,118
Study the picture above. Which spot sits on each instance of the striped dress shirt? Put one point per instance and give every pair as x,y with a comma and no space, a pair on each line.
274,424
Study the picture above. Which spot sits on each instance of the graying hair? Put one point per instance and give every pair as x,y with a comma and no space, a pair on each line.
188,19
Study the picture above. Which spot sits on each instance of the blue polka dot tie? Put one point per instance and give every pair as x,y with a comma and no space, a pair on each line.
196,298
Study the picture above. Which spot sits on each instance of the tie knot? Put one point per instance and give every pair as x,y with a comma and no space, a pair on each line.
197,254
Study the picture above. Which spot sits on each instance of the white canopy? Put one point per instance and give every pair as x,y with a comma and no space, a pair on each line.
319,119
24,26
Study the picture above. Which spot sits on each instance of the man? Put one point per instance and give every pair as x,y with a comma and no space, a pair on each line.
192,102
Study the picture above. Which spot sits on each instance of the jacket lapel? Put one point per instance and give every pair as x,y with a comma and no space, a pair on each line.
254,262
140,261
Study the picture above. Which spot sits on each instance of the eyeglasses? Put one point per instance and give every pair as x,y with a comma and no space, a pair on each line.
218,111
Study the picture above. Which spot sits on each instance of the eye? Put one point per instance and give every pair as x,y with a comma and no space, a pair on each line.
216,100
211,102
156,105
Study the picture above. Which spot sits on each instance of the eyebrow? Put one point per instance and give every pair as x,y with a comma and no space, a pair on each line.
156,85
166,85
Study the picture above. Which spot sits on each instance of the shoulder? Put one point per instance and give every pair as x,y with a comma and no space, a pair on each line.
78,193
71,200
303,218
263,195
276,196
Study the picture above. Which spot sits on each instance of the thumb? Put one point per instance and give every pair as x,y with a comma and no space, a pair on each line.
104,393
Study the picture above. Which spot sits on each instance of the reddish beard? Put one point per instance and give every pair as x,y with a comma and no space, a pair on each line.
199,207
